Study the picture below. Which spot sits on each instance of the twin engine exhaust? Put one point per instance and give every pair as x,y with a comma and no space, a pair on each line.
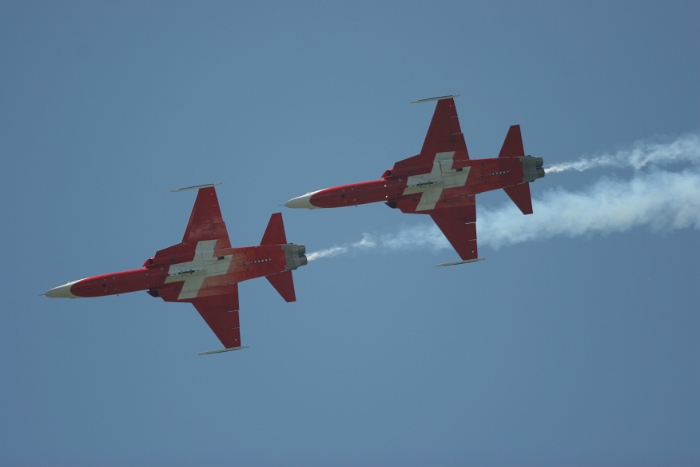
532,168
295,255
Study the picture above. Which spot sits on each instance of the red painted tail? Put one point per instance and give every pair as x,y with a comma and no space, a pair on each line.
513,144
284,284
274,235
513,147
520,194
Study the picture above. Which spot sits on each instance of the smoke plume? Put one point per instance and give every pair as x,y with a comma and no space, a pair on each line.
642,153
656,199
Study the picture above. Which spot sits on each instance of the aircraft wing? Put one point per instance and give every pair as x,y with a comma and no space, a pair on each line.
205,221
221,314
444,135
458,224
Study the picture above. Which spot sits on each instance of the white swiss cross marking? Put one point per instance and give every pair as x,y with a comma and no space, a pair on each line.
204,264
442,176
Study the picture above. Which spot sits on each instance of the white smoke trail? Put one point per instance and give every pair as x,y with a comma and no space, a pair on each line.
659,200
421,236
643,153
327,253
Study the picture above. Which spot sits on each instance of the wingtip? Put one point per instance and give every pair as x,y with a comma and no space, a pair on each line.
454,263
195,187
222,350
430,99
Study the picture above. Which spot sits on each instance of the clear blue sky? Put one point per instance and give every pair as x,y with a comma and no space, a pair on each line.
570,350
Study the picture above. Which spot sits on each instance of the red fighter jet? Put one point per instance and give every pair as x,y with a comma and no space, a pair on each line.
204,270
442,181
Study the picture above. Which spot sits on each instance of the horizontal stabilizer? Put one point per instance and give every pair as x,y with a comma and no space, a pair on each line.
284,284
274,233
520,194
222,350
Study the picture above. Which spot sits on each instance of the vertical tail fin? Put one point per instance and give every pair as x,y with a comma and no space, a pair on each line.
513,144
513,147
274,233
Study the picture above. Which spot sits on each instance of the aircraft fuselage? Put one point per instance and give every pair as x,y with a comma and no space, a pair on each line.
425,188
180,275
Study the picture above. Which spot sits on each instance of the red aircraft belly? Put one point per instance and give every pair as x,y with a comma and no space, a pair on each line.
118,283
358,193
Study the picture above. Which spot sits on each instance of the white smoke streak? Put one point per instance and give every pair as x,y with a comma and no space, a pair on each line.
643,153
661,201
327,253
418,236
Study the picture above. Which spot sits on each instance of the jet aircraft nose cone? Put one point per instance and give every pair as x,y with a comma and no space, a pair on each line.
302,201
62,291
